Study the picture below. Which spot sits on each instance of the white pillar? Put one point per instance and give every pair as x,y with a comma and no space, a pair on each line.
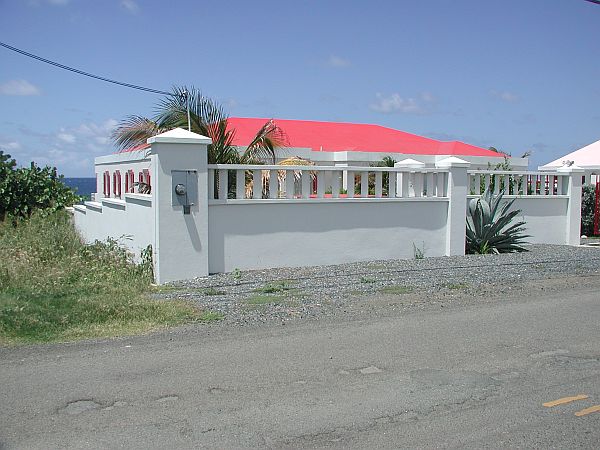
573,229
402,178
344,174
180,248
456,192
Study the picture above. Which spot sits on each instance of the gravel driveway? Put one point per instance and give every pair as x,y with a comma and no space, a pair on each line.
254,297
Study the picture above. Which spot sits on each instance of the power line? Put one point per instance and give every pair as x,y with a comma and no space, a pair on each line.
81,72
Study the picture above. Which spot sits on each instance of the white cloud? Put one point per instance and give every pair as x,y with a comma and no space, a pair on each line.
18,87
505,96
92,136
66,137
50,2
428,97
337,62
131,6
230,103
10,145
71,149
394,103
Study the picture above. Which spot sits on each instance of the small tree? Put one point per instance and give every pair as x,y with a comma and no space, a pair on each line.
27,189
7,166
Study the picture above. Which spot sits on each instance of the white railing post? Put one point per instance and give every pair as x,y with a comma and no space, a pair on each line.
573,231
344,174
180,247
403,180
273,184
456,191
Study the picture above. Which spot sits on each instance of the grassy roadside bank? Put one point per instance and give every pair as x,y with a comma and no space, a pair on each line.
54,288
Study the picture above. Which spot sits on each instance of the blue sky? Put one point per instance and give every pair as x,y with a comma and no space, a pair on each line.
519,75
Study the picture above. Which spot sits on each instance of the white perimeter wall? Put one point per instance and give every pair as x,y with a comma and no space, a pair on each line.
267,235
546,219
131,222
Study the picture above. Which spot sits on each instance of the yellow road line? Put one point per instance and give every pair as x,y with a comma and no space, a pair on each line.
586,411
562,401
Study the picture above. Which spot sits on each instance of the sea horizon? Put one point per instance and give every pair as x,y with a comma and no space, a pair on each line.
83,186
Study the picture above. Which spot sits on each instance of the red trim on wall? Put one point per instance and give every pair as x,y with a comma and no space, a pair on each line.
106,184
597,209
117,183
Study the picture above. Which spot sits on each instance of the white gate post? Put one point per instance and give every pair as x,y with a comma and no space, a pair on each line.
180,249
574,187
457,191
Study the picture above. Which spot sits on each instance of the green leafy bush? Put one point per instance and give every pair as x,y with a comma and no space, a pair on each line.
27,189
489,228
588,201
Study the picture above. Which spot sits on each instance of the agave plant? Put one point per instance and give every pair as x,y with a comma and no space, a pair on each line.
490,228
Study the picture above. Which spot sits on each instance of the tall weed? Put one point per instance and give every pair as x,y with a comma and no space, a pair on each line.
54,287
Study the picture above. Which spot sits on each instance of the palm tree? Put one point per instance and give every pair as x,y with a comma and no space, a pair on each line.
206,118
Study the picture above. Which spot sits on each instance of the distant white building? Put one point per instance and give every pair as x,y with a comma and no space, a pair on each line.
588,158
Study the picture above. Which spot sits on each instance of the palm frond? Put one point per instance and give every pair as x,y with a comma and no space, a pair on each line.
205,113
207,118
268,138
135,130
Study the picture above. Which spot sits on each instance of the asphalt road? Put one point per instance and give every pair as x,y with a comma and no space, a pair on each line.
474,375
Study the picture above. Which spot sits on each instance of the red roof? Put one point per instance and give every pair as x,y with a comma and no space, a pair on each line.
339,136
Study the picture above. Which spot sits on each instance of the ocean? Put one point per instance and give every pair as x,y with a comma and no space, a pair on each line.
82,186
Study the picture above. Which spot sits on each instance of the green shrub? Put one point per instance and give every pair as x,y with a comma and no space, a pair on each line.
588,204
27,189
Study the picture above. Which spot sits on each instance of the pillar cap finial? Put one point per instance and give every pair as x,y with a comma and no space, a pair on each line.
179,136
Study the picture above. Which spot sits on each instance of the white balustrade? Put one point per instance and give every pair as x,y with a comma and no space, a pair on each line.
272,182
539,184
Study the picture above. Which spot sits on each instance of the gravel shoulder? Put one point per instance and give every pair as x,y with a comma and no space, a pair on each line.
379,288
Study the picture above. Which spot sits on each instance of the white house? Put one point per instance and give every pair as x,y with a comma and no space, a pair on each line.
588,158
202,218
339,143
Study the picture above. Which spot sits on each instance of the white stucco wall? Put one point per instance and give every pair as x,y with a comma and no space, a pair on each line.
136,161
130,221
180,250
255,235
545,217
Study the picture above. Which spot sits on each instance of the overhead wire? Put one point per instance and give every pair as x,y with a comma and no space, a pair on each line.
81,72
184,94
